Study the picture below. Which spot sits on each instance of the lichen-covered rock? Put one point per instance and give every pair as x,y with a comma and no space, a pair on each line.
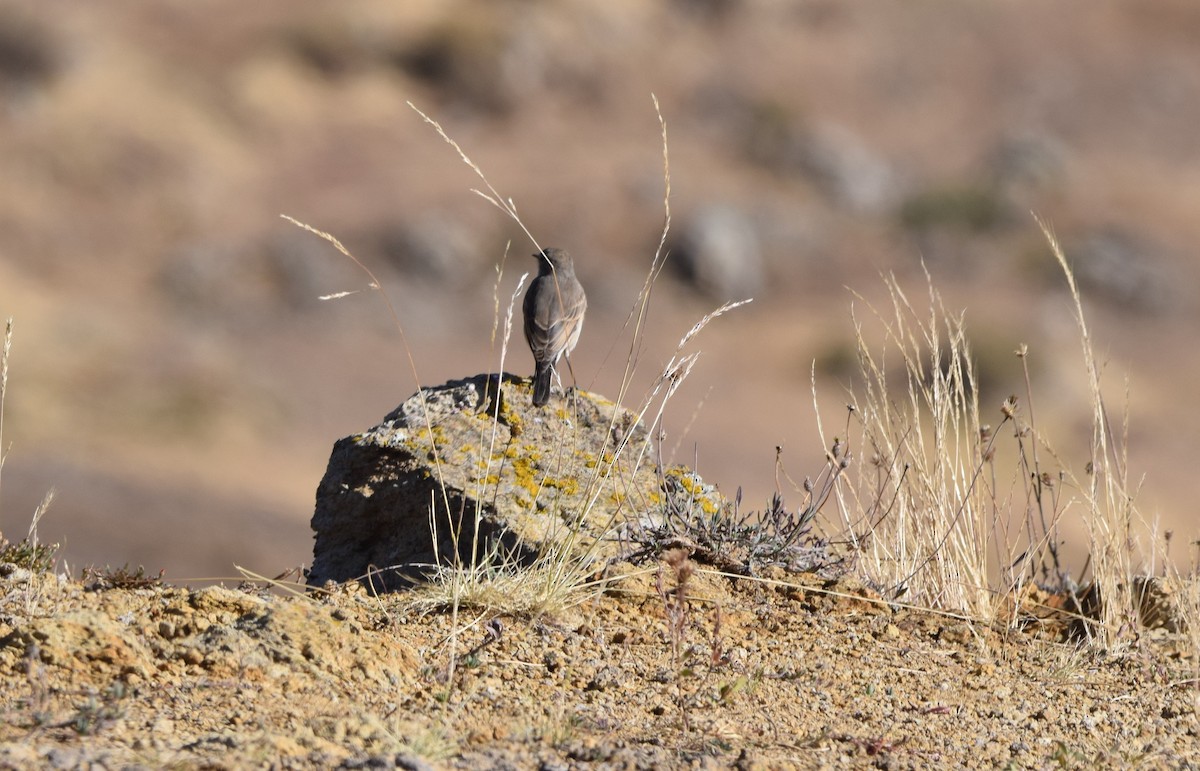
471,465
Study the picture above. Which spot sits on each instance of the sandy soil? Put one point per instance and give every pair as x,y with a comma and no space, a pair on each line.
786,672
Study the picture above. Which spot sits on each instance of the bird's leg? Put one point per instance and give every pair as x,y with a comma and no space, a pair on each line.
571,370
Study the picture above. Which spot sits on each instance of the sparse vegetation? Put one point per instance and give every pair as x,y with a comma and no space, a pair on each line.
722,536
28,553
968,208
24,554
121,578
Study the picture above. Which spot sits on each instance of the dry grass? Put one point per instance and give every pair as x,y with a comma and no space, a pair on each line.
916,512
947,511
1106,495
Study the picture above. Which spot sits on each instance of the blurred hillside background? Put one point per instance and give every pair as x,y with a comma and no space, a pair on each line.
175,378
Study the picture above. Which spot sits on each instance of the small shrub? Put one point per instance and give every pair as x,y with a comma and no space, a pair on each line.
120,578
974,209
28,554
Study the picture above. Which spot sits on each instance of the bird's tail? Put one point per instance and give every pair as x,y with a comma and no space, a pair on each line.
541,384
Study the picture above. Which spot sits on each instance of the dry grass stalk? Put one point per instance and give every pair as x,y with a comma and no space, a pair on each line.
1106,492
917,513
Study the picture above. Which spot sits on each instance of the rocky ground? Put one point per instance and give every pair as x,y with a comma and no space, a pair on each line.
166,318
789,671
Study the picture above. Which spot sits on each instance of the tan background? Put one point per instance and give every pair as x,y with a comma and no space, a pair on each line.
177,382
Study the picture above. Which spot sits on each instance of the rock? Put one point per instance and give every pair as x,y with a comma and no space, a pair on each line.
297,269
489,61
1126,268
1027,163
720,253
847,169
434,248
287,272
496,473
14,573
31,58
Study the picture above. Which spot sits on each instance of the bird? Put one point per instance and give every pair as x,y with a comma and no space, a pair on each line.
554,307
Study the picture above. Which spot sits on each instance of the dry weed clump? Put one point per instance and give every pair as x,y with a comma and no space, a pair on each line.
743,543
958,508
918,512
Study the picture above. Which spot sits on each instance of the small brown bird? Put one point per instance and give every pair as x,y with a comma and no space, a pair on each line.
554,308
